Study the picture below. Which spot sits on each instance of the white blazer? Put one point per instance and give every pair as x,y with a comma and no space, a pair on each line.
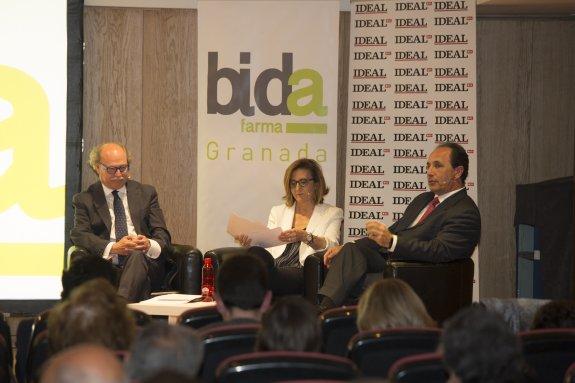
324,222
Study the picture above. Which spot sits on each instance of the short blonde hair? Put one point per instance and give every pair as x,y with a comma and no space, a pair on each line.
391,303
94,156
315,169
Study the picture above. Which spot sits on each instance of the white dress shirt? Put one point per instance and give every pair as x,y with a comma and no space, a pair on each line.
154,250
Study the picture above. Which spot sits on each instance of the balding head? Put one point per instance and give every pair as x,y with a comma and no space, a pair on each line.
84,363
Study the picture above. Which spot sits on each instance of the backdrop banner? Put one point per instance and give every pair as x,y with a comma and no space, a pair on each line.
33,81
412,85
267,77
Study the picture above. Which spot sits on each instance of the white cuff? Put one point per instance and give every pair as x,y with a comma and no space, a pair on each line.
154,250
106,254
393,243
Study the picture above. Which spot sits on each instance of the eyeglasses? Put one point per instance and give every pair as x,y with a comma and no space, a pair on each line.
113,169
302,183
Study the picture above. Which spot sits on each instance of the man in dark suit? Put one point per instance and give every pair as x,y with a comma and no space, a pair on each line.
121,220
441,225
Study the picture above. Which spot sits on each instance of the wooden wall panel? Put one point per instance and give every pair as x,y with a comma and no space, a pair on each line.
525,129
169,126
552,100
112,82
503,142
342,98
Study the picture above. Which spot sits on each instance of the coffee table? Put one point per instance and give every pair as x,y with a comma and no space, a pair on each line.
170,305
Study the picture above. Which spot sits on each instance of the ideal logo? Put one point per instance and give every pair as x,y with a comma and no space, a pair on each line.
296,99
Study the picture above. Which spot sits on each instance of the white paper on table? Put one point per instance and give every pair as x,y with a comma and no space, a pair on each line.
171,299
257,231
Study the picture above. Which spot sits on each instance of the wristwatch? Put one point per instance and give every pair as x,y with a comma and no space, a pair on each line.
309,238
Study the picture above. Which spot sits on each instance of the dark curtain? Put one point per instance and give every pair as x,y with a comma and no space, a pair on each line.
548,206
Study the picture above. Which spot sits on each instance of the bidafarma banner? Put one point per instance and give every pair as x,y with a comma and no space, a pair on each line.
33,82
267,77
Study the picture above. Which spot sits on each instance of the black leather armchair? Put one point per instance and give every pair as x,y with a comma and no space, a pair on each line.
183,267
444,288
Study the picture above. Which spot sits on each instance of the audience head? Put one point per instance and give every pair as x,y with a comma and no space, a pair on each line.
555,314
161,346
84,268
478,346
391,303
83,363
311,182
242,287
92,314
291,324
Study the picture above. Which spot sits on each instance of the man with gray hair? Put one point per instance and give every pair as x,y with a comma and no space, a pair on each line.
84,363
121,220
163,347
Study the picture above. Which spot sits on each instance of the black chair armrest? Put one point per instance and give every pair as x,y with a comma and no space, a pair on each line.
188,262
74,252
313,275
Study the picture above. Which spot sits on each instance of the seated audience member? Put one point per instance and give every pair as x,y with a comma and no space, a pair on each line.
518,313
80,270
291,324
242,290
92,314
391,303
161,346
555,314
84,364
308,226
85,268
478,347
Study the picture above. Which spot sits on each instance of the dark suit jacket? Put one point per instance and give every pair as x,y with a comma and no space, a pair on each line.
92,221
449,233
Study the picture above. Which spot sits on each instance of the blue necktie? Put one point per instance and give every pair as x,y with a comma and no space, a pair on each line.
120,223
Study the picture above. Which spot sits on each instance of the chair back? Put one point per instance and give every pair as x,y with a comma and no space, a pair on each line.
224,341
549,352
199,317
338,326
451,290
374,352
420,368
5,360
275,366
183,269
220,254
39,350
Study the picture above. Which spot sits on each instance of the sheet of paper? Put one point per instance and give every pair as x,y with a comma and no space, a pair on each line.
257,231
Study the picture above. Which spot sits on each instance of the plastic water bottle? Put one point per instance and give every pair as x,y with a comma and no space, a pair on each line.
207,280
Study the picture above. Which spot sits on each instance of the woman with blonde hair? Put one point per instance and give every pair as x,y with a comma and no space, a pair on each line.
391,303
308,226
